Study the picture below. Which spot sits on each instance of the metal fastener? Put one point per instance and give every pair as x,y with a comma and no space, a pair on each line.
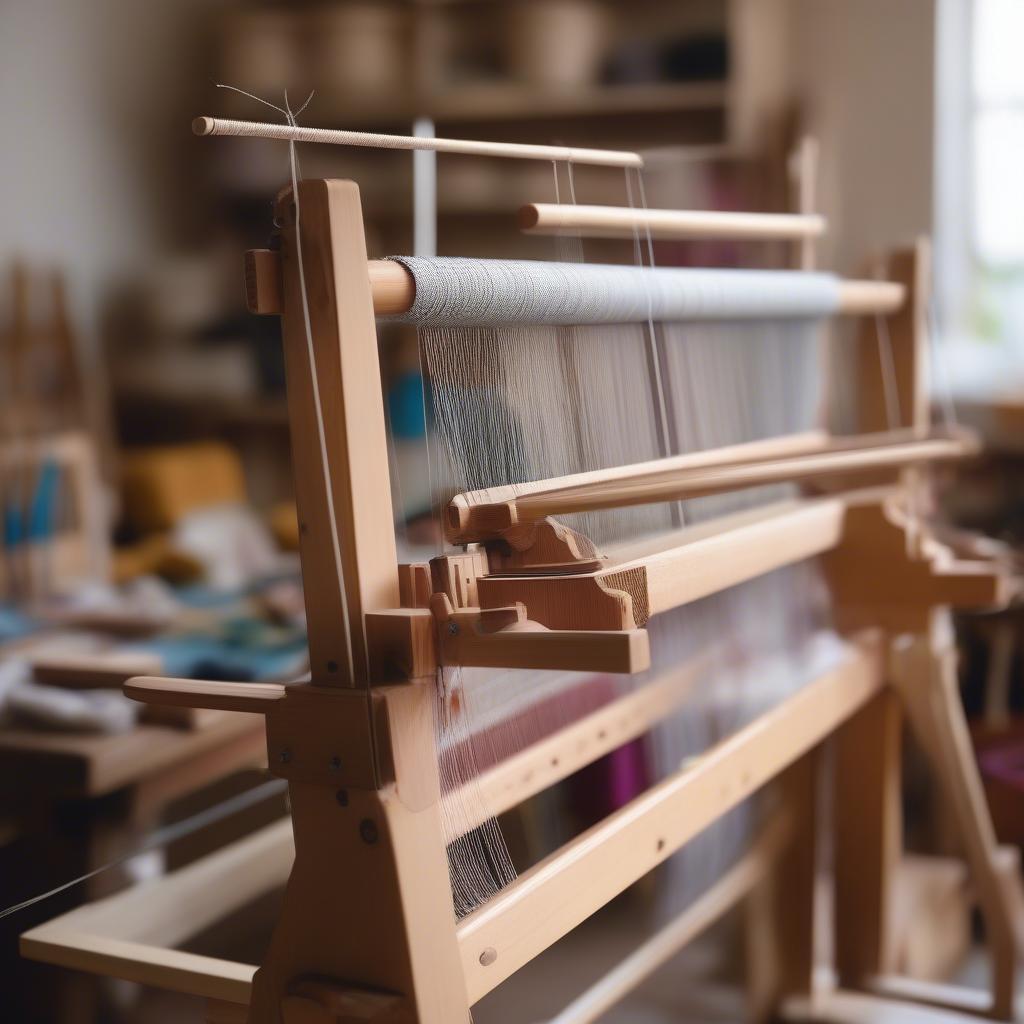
285,756
368,830
488,956
453,629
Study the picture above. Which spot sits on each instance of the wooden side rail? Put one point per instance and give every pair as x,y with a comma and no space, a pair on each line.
132,934
471,519
552,898
556,757
644,579
736,884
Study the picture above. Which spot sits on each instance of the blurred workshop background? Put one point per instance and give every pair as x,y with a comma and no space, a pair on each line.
160,530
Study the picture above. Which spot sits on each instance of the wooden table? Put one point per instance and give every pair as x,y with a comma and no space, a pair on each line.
81,801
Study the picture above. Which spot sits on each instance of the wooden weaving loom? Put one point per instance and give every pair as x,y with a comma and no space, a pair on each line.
367,930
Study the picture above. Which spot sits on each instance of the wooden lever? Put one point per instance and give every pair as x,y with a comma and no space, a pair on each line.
504,637
201,693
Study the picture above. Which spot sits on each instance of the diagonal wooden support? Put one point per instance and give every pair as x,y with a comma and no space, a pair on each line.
924,673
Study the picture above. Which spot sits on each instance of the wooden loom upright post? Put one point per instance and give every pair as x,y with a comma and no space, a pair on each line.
892,372
891,380
367,928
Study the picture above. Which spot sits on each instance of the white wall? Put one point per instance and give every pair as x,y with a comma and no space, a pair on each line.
95,128
866,72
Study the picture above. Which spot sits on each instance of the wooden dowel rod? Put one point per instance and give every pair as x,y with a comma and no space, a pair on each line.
625,222
677,481
553,897
684,484
732,887
808,442
870,298
373,140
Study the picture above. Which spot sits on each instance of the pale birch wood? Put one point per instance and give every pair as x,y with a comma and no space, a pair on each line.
842,1006
348,373
678,480
714,903
627,222
130,935
202,693
542,764
555,896
924,673
646,578
373,140
868,828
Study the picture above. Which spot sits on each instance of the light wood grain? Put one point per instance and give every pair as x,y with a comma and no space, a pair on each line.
552,898
676,480
644,579
131,935
712,904
347,374
628,221
558,756
373,140
257,698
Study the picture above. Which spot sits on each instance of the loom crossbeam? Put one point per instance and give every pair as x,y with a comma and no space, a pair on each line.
471,519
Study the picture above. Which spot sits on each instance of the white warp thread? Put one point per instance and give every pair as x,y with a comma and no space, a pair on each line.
459,292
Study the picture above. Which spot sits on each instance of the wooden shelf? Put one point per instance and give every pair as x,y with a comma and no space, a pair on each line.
505,101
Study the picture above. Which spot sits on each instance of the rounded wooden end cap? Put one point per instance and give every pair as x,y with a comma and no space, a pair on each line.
529,216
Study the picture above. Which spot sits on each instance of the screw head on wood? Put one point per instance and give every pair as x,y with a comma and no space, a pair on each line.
453,629
368,830
285,756
335,763
488,956
342,797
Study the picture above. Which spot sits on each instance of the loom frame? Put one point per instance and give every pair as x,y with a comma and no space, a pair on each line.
377,856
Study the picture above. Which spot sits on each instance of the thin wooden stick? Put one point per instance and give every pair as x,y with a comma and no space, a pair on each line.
677,480
625,221
732,887
557,894
373,140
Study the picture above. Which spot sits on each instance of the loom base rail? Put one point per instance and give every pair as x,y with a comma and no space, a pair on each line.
131,935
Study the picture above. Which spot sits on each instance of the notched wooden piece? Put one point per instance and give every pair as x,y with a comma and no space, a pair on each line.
542,547
505,638
456,576
414,584
889,569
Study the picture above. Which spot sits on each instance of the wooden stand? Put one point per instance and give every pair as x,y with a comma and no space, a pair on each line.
367,931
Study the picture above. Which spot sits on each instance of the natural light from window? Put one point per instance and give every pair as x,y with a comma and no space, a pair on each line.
997,312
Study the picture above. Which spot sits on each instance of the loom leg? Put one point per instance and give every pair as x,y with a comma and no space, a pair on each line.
867,824
780,932
367,929
924,674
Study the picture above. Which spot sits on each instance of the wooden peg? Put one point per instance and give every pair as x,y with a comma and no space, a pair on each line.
263,282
